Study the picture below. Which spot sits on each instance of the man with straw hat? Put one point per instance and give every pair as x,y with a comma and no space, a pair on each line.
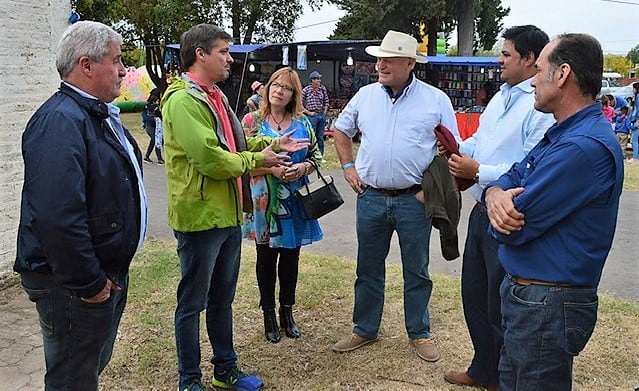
397,117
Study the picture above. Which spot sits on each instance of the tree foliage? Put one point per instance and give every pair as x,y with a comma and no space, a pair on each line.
489,17
633,55
365,19
155,23
616,63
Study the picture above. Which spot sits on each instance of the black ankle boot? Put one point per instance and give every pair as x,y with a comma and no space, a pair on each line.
288,323
271,331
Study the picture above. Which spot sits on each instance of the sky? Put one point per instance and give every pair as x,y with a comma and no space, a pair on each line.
612,22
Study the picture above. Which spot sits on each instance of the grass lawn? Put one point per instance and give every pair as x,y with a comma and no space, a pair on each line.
144,357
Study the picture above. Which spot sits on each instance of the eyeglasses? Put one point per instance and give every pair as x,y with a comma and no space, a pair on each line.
283,87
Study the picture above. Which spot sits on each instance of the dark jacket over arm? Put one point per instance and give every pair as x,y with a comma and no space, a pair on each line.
443,204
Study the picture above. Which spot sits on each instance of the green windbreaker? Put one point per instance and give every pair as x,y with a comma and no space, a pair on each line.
201,172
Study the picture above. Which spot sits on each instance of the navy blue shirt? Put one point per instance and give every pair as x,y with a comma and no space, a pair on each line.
572,179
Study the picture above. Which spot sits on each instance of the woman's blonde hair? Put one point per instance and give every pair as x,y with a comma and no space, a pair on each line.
295,105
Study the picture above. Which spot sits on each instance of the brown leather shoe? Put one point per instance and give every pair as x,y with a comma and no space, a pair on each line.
351,342
462,379
426,349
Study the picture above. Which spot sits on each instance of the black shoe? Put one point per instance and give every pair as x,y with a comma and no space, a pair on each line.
288,323
147,160
160,162
271,331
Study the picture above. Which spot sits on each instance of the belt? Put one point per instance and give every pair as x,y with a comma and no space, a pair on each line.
396,192
526,282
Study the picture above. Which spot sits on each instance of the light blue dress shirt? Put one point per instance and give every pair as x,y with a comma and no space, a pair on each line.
508,129
398,138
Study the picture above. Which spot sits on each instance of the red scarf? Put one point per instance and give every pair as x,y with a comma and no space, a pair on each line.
215,98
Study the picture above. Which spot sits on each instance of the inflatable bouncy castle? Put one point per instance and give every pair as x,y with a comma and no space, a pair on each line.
134,90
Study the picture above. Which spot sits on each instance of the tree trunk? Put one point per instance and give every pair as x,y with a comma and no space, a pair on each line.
433,27
235,22
466,28
155,63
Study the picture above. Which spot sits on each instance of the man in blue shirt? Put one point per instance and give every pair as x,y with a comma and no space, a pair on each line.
398,144
554,214
618,102
508,129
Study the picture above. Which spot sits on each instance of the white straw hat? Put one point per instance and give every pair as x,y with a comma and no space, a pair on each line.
396,44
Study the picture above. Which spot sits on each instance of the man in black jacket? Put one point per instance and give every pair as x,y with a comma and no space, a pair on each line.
83,211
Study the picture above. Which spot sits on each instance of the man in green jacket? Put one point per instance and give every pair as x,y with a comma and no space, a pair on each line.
206,157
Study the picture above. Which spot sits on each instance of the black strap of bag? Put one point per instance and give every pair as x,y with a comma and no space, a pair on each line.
317,171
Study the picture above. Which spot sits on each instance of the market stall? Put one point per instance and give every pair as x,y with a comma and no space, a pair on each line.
346,67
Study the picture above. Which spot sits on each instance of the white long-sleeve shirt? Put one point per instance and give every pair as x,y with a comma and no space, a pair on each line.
398,139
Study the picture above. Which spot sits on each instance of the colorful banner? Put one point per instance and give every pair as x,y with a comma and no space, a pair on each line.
301,57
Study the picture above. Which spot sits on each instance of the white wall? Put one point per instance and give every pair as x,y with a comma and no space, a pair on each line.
30,33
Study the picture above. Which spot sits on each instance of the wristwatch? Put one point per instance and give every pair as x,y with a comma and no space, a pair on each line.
476,178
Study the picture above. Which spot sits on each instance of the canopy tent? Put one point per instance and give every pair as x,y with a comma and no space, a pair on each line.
334,50
455,60
236,49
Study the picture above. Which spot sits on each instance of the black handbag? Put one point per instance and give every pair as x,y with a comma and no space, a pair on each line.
319,197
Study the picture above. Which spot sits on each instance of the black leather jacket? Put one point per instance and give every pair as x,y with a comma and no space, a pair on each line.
80,210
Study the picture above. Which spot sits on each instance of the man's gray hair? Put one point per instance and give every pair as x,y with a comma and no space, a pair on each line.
84,38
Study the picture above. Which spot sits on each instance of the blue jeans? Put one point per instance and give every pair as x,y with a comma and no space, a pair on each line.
78,337
378,216
482,275
318,121
210,263
544,328
635,144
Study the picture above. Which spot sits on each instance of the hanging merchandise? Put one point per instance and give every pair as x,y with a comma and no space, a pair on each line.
301,57
284,55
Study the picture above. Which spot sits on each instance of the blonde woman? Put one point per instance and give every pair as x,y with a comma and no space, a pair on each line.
278,224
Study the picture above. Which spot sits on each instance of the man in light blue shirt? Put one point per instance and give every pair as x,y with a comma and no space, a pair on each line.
508,128
397,117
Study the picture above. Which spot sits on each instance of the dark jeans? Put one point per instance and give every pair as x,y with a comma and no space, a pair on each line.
544,328
150,131
78,337
267,268
481,276
319,125
210,263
